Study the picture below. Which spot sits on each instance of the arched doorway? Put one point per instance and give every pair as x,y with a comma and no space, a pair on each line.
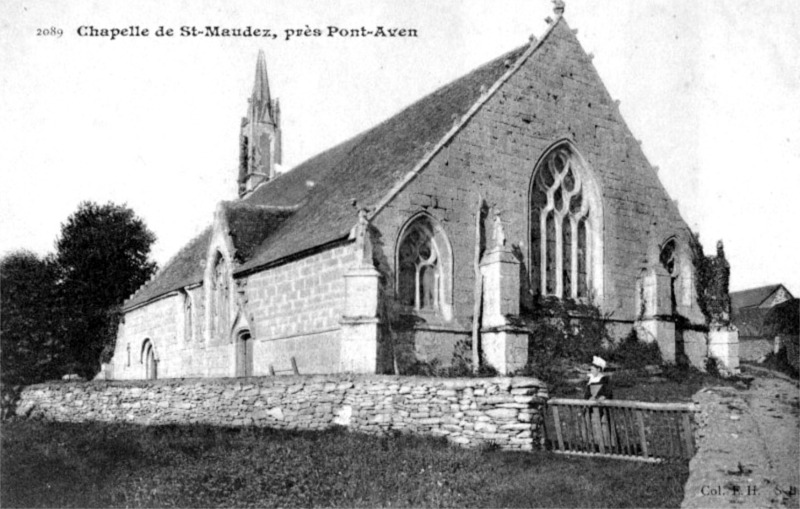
150,361
244,353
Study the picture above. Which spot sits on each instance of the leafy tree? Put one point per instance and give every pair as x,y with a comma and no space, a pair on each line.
103,256
30,331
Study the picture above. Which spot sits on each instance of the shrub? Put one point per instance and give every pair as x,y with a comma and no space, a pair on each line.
780,362
421,368
461,366
9,395
712,366
632,353
562,332
625,378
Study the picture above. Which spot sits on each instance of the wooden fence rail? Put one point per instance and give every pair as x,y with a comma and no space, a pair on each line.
632,430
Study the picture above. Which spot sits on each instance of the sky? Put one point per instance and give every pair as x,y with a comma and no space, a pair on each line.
711,88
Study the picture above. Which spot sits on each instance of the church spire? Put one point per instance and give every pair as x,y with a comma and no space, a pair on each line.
260,101
260,135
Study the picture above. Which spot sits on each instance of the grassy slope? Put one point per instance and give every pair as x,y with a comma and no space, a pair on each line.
674,384
96,465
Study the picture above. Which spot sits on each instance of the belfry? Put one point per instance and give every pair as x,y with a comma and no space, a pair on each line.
513,190
260,135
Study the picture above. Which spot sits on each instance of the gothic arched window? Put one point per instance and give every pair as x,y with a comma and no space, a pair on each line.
424,267
220,298
564,221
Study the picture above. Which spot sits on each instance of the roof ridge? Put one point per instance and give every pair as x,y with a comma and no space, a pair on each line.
464,119
533,45
252,192
313,194
260,206
762,287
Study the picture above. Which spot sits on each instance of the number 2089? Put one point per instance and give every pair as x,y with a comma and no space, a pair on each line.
51,32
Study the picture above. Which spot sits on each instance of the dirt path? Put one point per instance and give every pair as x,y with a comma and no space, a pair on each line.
748,447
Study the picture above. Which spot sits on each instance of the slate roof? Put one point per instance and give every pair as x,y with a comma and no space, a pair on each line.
322,190
184,269
752,297
249,224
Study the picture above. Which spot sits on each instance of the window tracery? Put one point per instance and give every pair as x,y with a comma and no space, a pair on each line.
423,267
562,223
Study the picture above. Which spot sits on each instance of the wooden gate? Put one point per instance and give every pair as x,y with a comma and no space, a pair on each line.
632,430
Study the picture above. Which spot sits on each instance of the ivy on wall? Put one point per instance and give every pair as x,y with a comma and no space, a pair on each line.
712,276
562,332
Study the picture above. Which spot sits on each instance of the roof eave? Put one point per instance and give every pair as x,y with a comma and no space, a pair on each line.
171,293
246,271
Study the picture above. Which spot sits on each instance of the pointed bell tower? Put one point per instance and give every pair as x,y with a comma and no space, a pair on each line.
260,135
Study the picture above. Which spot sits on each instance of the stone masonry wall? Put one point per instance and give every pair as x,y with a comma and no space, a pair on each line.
504,411
556,95
296,309
292,310
159,323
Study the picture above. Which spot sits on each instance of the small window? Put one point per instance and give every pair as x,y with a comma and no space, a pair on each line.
423,267
669,262
187,317
667,258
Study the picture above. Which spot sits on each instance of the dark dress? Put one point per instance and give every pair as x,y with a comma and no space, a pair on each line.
597,420
601,389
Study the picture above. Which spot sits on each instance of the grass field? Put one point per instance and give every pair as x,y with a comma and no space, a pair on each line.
100,465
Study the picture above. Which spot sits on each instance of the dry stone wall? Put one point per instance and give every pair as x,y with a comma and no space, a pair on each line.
507,412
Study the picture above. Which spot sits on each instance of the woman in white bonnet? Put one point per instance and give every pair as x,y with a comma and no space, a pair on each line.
597,387
597,420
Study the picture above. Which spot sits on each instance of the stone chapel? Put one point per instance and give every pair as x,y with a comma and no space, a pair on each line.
520,179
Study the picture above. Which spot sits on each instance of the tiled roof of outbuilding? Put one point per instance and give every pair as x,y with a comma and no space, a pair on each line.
323,189
752,297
